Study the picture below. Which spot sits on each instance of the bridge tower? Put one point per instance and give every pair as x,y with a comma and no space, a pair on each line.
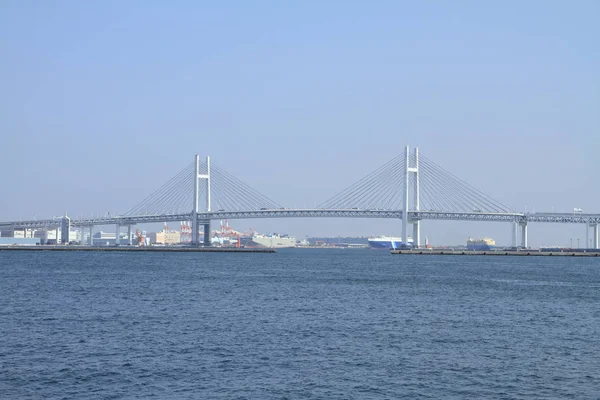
196,209
408,169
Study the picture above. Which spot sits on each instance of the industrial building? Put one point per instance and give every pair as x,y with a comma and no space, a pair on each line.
33,236
166,237
101,238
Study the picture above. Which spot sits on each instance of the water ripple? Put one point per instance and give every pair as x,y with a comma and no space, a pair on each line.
297,324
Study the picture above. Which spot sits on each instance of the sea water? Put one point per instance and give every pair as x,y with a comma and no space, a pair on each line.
298,324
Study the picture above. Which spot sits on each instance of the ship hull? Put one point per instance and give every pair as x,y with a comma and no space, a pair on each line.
269,242
479,247
385,244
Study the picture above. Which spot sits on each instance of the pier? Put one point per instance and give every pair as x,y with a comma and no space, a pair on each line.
519,253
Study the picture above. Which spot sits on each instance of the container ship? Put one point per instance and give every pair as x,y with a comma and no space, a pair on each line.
388,242
272,240
480,244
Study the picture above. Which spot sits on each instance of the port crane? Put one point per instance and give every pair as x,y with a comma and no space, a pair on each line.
140,237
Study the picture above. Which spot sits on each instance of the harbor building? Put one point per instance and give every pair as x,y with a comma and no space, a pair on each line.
18,237
166,237
102,238
36,236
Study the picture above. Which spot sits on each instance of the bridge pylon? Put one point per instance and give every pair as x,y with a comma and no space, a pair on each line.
196,207
408,170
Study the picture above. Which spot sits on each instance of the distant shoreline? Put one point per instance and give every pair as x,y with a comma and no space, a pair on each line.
136,249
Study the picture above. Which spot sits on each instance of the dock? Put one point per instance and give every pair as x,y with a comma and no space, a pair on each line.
140,249
519,253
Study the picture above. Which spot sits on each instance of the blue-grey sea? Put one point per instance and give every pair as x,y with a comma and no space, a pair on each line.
298,324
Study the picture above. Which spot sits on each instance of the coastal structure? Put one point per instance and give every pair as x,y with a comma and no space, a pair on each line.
38,236
166,236
410,188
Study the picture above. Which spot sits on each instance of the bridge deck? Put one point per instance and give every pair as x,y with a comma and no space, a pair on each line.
311,213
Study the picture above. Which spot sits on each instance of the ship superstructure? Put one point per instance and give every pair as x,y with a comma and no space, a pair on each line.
480,244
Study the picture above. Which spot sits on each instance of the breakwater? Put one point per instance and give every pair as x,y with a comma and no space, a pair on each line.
518,253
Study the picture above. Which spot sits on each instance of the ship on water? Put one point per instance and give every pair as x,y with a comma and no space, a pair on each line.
271,240
482,244
388,242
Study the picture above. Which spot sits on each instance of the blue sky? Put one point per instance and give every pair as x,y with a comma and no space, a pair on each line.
101,102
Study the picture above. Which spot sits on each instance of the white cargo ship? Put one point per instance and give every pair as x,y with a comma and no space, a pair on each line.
273,240
388,242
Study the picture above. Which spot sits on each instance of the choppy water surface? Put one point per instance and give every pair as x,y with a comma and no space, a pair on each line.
330,324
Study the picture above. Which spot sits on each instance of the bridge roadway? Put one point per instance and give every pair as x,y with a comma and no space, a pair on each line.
205,217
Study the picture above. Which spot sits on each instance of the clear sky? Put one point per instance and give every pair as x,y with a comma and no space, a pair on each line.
101,102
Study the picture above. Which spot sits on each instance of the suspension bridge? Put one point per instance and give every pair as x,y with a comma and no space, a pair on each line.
409,187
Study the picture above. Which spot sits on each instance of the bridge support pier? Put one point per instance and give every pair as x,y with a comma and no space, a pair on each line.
91,238
515,230
65,229
207,234
524,243
587,236
195,234
129,235
117,233
593,243
417,234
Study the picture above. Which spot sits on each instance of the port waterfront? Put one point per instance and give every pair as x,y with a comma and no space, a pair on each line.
137,249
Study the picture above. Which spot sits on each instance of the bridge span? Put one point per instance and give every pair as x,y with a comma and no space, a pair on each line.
517,219
408,185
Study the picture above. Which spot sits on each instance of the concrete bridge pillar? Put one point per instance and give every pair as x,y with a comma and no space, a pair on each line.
595,239
117,233
91,238
587,236
65,229
207,234
515,232
416,234
195,231
524,235
129,235
56,235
